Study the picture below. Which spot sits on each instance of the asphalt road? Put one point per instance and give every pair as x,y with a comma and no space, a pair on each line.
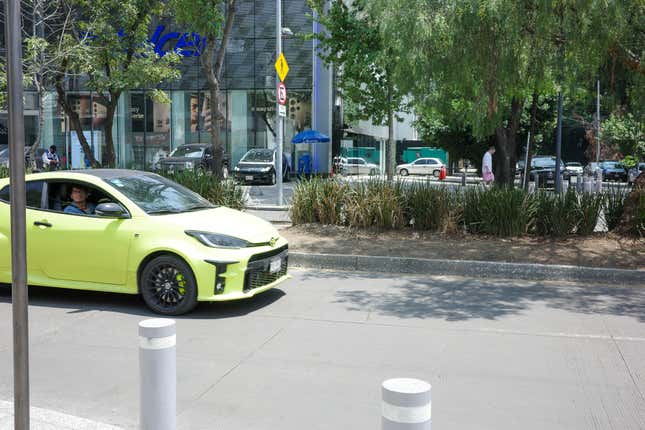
312,354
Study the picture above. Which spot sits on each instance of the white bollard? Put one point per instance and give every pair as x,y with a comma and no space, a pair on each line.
407,404
158,374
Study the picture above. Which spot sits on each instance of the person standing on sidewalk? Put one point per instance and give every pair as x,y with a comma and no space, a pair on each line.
487,166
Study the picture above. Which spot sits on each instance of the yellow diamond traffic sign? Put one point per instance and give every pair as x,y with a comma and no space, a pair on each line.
282,67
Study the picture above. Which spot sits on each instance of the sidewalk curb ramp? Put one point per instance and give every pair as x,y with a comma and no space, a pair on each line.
469,268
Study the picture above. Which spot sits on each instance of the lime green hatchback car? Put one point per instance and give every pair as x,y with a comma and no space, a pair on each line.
144,235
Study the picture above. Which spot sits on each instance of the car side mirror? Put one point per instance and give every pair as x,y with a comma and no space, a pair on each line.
111,210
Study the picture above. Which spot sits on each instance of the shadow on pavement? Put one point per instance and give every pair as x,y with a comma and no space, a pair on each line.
85,301
463,299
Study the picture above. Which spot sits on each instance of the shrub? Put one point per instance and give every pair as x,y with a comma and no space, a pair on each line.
556,214
432,208
499,211
376,203
223,193
4,172
614,206
589,208
304,201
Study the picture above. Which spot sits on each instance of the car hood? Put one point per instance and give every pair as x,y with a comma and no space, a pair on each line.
243,165
178,160
225,221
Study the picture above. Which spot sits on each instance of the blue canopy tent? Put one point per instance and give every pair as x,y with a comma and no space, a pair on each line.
305,163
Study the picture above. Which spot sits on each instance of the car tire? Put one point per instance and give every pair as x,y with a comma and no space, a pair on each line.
436,173
272,180
372,172
168,286
404,172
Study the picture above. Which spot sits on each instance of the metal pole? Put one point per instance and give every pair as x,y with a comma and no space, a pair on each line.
407,404
558,146
278,120
598,123
525,180
158,373
19,293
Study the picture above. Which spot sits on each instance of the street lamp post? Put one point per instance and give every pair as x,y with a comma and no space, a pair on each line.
278,120
19,297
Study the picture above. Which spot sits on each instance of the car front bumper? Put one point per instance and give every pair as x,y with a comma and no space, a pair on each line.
251,272
243,176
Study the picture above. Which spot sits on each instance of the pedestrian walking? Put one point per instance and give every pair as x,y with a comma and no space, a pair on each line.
487,166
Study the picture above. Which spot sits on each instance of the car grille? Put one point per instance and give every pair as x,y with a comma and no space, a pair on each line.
257,273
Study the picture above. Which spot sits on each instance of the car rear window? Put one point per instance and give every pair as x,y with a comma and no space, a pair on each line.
34,192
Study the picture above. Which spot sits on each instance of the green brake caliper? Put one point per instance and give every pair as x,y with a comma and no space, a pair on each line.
181,283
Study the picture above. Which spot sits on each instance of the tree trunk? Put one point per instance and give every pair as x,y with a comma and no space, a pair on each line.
76,124
506,145
109,159
216,141
391,148
532,130
41,123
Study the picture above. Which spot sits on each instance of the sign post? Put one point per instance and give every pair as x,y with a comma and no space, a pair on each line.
282,68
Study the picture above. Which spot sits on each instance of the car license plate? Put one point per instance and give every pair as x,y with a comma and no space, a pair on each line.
275,266
249,178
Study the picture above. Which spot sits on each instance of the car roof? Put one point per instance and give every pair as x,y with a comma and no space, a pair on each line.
96,173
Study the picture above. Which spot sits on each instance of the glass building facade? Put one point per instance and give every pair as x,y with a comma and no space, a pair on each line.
144,130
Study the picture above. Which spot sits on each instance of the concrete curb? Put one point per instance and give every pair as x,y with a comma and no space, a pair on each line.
268,207
479,269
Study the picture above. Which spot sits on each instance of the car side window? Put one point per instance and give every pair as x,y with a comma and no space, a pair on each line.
432,162
34,194
59,195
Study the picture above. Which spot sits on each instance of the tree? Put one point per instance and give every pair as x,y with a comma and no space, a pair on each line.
367,66
206,17
486,59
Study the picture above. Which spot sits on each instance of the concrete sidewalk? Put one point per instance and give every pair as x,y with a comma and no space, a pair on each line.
44,419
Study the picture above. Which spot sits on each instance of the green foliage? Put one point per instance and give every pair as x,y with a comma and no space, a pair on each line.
589,208
626,133
556,214
376,203
614,206
205,17
4,172
499,211
222,193
431,208
365,61
319,200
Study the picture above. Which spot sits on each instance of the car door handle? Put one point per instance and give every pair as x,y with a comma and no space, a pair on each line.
42,224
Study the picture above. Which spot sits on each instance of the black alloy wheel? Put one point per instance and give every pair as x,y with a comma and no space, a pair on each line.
168,286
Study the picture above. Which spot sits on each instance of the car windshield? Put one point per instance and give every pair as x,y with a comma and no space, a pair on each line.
574,164
611,165
259,155
188,151
157,195
543,162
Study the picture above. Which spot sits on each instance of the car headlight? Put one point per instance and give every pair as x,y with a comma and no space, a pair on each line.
189,164
236,169
215,240
266,169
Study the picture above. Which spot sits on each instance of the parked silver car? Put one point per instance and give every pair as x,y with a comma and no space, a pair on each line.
357,166
633,173
421,166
